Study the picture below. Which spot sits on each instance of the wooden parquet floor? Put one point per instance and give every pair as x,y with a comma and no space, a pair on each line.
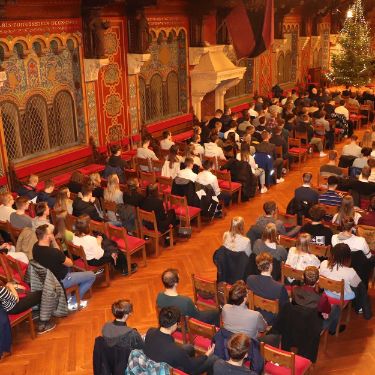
68,349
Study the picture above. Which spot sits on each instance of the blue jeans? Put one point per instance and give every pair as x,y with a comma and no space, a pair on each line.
83,279
333,319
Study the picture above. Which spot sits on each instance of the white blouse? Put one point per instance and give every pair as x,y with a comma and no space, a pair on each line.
237,243
90,246
300,260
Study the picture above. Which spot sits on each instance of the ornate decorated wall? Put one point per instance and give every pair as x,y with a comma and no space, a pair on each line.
42,94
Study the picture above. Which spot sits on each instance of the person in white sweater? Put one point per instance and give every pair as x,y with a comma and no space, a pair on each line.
234,239
166,142
211,149
113,193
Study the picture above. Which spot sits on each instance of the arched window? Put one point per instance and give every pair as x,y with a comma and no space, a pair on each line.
172,92
40,127
280,68
287,67
142,99
156,97
11,127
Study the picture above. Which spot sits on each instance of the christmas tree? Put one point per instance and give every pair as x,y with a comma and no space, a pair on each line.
352,65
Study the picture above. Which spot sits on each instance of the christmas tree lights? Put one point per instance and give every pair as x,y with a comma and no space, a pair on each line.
352,65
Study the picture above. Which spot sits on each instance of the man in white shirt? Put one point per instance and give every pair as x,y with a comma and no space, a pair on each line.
362,160
211,149
341,110
232,129
352,148
166,142
6,201
206,177
188,173
252,112
144,151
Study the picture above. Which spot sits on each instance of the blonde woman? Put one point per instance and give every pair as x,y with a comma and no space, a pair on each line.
299,257
113,193
96,183
346,210
63,201
366,139
234,239
172,163
192,153
269,243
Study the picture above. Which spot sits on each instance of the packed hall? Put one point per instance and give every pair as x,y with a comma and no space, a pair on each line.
187,187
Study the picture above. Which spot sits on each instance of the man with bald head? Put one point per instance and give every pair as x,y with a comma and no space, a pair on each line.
170,297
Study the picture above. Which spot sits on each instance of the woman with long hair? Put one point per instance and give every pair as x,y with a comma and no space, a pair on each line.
96,183
345,211
245,155
299,257
366,139
235,239
172,163
113,193
269,243
76,181
132,196
63,201
191,152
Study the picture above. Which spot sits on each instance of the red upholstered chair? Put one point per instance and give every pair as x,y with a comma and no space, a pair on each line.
13,270
61,179
297,151
165,186
287,219
92,168
16,319
180,335
98,226
14,233
143,164
213,159
149,217
184,212
129,245
281,362
287,242
205,293
226,184
288,271
337,287
6,227
80,263
157,166
174,371
200,334
257,302
145,179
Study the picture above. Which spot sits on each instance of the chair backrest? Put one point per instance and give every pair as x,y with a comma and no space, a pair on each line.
205,291
302,135
198,328
213,159
70,222
143,162
224,176
294,142
15,233
333,286
257,302
164,153
368,233
330,210
147,178
287,242
157,165
279,151
146,216
116,233
5,227
320,128
288,271
319,250
181,202
164,182
98,226
75,251
287,219
276,356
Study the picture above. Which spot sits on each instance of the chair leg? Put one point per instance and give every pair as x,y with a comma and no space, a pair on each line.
128,261
171,237
338,324
157,250
144,255
31,325
106,274
199,221
349,307
239,196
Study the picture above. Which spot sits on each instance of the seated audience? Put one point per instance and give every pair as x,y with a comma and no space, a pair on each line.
237,317
346,210
269,243
19,219
299,257
330,197
29,190
170,297
369,218
331,168
85,205
265,286
342,110
362,160
198,147
230,146
172,163
115,164
144,152
45,194
161,347
96,184
42,216
232,129
279,141
305,195
153,203
245,155
55,260
234,239
206,177
211,149
13,304
326,129
76,182
346,236
117,333
352,149
166,142
320,234
132,196
6,206
217,118
187,173
63,201
238,349
366,141
192,153
113,193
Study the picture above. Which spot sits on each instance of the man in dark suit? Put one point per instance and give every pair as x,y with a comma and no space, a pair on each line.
305,196
268,148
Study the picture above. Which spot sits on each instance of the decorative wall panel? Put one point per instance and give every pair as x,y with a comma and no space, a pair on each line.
264,73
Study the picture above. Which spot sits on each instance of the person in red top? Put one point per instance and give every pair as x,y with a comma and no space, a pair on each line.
369,218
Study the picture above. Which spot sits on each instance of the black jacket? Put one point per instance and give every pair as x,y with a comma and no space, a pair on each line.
27,191
45,197
74,187
81,207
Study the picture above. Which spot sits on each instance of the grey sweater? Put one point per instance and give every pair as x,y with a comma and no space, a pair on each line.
279,253
118,333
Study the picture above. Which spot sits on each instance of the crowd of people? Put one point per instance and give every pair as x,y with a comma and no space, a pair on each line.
253,147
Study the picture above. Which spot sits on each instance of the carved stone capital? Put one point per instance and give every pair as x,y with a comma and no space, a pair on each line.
136,61
92,67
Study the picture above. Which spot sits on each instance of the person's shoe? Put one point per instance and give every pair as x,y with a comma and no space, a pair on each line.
263,190
4,355
46,327
322,154
99,271
72,306
219,214
360,311
134,268
341,329
279,180
83,304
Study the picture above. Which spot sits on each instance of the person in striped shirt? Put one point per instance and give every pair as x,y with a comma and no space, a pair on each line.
331,197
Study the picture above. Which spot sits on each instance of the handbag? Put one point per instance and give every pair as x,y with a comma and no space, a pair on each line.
184,232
